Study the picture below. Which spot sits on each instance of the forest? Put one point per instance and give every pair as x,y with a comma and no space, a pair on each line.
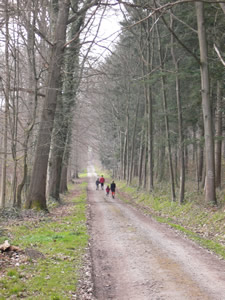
151,108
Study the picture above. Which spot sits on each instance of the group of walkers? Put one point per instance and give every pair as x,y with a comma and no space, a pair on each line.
100,181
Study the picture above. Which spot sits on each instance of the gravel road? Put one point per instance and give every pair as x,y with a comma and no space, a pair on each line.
136,258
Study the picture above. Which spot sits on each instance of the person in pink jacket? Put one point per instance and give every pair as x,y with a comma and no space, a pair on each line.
107,190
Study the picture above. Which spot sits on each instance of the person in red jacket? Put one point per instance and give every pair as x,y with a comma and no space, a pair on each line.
102,181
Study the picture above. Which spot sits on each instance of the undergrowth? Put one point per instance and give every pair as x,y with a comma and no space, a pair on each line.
60,243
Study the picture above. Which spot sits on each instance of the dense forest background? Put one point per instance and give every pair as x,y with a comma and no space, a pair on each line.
152,108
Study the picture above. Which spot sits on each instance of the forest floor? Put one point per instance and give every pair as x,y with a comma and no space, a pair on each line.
135,257
48,260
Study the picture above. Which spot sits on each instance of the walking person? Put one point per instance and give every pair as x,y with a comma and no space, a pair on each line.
107,190
102,181
97,182
113,188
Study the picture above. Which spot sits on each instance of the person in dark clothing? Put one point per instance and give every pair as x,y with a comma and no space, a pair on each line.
97,183
113,188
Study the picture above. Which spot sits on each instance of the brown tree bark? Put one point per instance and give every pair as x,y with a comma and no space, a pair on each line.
149,105
33,100
121,154
218,143
55,169
133,144
65,106
37,190
150,142
20,186
161,163
63,180
124,156
140,162
180,122
210,195
173,196
6,111
200,152
144,161
127,144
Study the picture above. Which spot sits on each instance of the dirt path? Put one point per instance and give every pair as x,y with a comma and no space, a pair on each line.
136,258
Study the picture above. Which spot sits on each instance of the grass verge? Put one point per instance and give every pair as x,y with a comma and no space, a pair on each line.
56,245
206,243
205,225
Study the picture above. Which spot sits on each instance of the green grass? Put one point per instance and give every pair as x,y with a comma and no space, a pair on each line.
3,236
62,243
191,218
84,174
107,175
206,243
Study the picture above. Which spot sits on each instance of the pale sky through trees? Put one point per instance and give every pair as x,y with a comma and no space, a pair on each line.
106,23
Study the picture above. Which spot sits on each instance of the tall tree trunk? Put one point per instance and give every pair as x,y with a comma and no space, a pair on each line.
63,181
173,196
180,122
149,110
161,163
124,156
133,143
210,195
56,156
175,167
65,106
200,152
141,151
121,154
127,144
223,143
14,125
37,190
25,169
150,141
144,166
66,155
6,112
203,176
146,137
186,158
33,100
218,144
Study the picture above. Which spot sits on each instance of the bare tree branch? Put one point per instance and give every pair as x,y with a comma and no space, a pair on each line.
86,6
219,55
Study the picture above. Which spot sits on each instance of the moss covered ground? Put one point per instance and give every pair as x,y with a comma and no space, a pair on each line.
53,246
